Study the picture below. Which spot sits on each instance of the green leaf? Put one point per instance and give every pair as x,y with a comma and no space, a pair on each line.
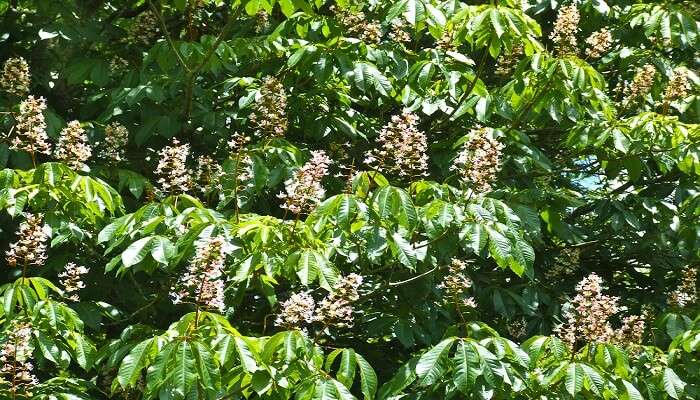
466,364
137,359
573,380
368,378
673,385
431,365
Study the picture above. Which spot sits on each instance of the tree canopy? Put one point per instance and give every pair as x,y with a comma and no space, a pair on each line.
336,200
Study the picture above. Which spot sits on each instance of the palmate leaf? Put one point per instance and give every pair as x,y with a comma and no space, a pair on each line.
467,366
433,364
673,385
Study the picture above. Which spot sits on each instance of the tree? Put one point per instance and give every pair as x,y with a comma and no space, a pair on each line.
261,199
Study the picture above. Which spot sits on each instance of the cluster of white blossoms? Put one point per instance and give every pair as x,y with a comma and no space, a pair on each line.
402,148
398,32
686,293
114,147
30,248
599,43
479,160
30,129
507,61
72,279
73,147
296,311
173,175
335,310
589,314
641,84
269,116
304,190
358,25
15,79
565,30
678,87
144,30
564,264
456,283
15,358
203,283
208,174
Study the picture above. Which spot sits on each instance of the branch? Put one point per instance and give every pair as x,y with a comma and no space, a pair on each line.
168,37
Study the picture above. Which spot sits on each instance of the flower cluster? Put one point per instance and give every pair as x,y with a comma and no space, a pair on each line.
304,190
398,32
507,62
687,292
599,43
456,283
73,146
565,29
116,139
118,64
15,78
262,21
357,24
588,316
238,142
72,279
336,309
144,30
31,127
479,160
641,84
203,282
446,42
30,248
173,175
15,357
678,87
269,114
564,264
517,328
296,312
208,174
402,147
631,331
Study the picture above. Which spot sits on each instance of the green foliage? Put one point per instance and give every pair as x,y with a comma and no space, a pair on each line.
477,171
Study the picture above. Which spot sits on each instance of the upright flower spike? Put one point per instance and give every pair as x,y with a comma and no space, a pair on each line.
456,283
296,312
30,130
173,175
565,30
15,361
686,293
73,147
72,280
208,174
337,309
479,160
30,248
641,84
356,24
116,139
588,318
402,148
269,115
506,62
203,282
599,43
304,190
678,87
15,78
